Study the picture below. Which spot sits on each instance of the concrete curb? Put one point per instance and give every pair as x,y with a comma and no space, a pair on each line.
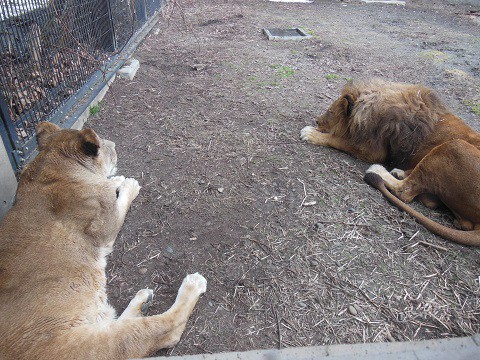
83,117
465,348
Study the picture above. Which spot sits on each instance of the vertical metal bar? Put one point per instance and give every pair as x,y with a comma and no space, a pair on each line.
110,23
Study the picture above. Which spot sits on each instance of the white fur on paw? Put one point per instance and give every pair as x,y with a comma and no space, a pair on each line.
118,180
377,169
144,295
306,132
195,281
131,186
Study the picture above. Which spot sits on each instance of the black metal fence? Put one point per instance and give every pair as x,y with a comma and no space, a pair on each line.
49,49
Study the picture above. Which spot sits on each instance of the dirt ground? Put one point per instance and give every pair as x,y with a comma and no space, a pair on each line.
296,248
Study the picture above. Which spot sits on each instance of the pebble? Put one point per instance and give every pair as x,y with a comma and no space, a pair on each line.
220,190
309,203
390,338
358,308
313,263
352,310
143,270
169,249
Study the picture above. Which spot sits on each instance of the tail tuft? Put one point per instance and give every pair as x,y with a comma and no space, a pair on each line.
373,180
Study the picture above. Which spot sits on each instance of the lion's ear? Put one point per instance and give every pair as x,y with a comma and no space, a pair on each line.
44,130
349,102
90,142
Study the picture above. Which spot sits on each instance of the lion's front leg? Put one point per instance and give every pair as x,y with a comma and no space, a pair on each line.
139,305
362,151
127,191
313,136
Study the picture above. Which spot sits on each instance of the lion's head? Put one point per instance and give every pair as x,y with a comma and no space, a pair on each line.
336,120
81,146
392,118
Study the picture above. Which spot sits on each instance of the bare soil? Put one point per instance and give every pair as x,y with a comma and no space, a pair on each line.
296,248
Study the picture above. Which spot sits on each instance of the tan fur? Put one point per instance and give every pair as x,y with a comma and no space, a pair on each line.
408,127
53,245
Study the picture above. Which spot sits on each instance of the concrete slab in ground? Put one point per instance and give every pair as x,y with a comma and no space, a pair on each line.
465,348
392,2
129,70
294,1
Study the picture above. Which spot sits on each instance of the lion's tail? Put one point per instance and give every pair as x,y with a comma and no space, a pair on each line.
470,238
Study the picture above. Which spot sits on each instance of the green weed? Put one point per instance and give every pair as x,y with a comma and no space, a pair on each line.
332,76
474,106
95,109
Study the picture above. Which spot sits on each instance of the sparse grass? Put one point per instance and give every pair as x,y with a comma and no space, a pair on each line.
95,109
332,76
473,105
283,71
309,31
435,55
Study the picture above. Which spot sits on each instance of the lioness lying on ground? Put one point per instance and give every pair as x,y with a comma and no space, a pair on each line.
53,245
408,127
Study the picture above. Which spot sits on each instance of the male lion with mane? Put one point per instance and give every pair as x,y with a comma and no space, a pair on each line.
53,245
407,127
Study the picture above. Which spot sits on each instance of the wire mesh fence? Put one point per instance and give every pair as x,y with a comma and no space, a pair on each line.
49,49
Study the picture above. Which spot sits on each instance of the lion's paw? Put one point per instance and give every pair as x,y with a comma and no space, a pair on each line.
307,133
398,173
118,180
195,284
131,186
145,297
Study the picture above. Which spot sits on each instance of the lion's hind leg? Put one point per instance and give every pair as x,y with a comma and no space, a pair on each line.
396,186
400,174
430,201
132,336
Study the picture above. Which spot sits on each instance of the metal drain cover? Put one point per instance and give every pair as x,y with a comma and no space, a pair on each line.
286,34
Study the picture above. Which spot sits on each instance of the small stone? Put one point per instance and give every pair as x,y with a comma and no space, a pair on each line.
193,238
220,190
302,304
143,270
352,310
309,203
210,304
318,226
198,67
358,308
390,338
169,249
313,262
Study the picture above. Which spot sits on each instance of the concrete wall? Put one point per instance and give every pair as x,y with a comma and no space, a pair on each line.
8,182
